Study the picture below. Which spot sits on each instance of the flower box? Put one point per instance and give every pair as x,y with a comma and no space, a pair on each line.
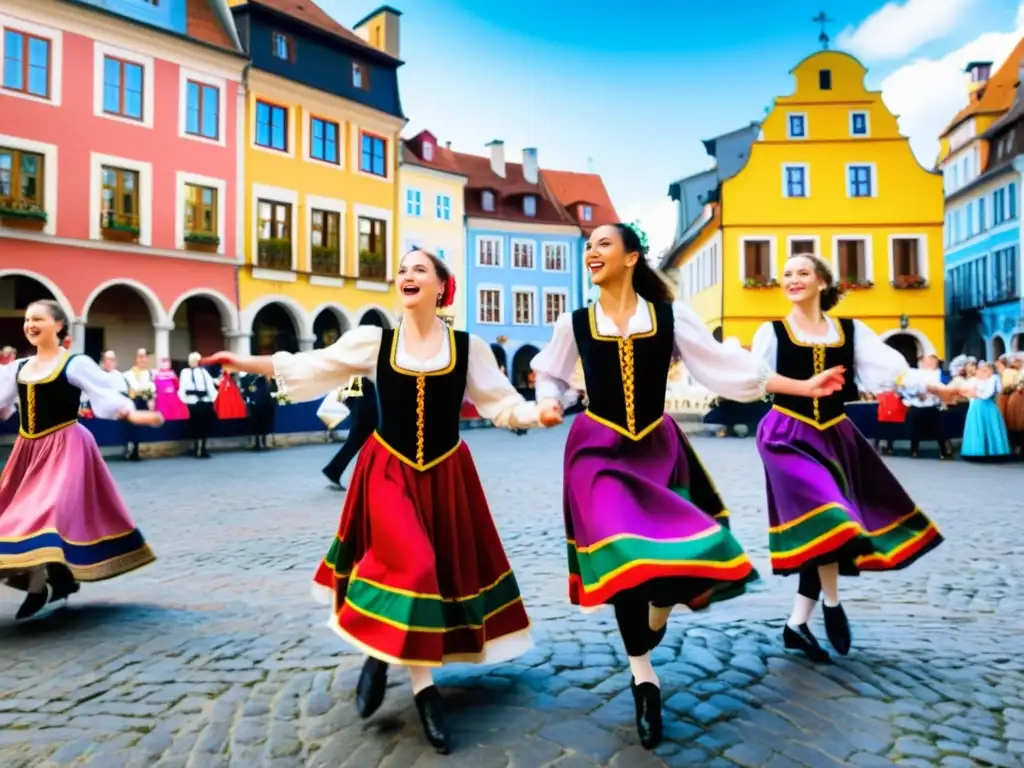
274,254
325,261
120,233
855,285
909,283
755,283
371,266
202,242
22,216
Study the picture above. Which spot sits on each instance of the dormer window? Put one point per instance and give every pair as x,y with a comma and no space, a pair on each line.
530,205
428,150
487,201
825,79
282,47
360,76
586,213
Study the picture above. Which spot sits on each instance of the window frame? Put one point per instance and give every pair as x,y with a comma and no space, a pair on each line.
118,197
527,243
586,213
381,238
488,195
363,72
200,207
498,251
202,86
530,201
872,180
271,106
339,150
26,38
413,202
385,150
773,267
289,42
789,125
500,293
825,80
123,89
867,242
328,216
563,248
274,203
854,114
922,254
41,184
530,292
805,183
443,205
547,293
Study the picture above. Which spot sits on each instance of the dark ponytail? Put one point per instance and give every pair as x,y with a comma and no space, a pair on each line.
57,313
646,282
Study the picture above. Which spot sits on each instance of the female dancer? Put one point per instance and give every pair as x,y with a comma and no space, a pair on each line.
833,506
61,517
417,573
985,435
646,528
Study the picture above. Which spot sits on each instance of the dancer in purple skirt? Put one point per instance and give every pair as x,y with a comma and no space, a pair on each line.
646,527
61,518
833,505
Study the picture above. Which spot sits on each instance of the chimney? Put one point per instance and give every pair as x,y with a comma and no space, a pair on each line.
447,145
978,73
497,148
381,30
530,165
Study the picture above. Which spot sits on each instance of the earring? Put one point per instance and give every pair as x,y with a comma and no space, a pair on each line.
440,298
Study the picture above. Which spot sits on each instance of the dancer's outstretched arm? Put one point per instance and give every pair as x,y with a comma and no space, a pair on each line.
493,394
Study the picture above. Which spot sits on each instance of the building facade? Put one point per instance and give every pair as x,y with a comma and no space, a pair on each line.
829,174
119,165
431,209
585,201
981,156
521,251
322,120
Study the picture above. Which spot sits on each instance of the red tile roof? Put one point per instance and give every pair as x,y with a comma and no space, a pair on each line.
310,13
443,159
509,192
573,189
997,94
203,24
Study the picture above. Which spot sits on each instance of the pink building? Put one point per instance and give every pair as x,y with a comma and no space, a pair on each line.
120,165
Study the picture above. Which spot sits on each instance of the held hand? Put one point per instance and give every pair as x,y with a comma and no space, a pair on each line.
146,418
226,360
827,382
550,414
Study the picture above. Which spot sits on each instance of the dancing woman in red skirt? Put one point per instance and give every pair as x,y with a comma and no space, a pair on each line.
417,573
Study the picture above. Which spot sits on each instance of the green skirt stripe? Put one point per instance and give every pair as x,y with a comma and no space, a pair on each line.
829,519
432,613
339,557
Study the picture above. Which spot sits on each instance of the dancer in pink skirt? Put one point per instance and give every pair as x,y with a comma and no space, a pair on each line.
167,401
61,518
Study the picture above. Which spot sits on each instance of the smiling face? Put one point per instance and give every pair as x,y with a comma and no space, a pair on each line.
418,281
800,279
606,257
110,362
40,325
141,359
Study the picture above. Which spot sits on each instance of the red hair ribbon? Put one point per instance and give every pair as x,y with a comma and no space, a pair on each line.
448,296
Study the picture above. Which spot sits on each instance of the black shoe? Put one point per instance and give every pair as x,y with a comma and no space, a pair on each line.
34,603
837,628
373,681
801,639
647,697
431,708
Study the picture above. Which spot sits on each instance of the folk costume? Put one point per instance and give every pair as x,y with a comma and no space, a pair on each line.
229,403
831,498
1012,405
416,574
166,400
59,507
258,393
362,401
142,391
198,391
985,435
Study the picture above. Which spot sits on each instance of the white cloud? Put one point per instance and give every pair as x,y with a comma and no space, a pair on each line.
927,93
658,220
898,29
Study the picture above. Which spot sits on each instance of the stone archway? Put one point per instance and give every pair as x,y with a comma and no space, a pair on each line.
908,346
122,316
997,344
201,319
500,357
17,291
329,323
274,330
374,317
521,378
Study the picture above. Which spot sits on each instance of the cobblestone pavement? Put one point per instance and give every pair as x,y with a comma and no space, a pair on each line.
217,656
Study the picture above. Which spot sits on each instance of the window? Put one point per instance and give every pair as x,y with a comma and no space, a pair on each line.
851,260
825,79
271,126
858,123
21,179
530,205
586,213
522,254
554,307
489,306
325,242
801,246
200,210
443,208
202,110
372,248
969,219
1011,194
982,221
323,140
373,155
119,211
488,252
523,303
556,258
282,47
797,126
413,202
274,233
998,207
860,181
122,88
795,181
428,150
906,257
757,260
487,201
360,76
26,63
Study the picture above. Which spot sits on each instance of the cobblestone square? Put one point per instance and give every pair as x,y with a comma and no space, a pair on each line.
217,656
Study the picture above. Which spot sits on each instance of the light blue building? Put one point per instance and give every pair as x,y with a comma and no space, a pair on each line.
171,16
983,255
522,255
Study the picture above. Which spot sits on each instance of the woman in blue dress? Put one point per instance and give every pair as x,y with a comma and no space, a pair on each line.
985,435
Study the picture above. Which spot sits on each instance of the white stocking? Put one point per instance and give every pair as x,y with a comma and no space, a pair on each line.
643,670
803,607
422,678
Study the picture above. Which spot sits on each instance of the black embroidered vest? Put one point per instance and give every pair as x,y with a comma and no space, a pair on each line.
49,404
800,360
626,379
418,413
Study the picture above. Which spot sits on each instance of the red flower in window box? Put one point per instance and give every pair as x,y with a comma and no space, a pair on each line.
909,282
854,284
760,281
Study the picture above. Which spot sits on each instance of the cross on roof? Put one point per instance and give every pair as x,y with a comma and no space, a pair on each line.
822,19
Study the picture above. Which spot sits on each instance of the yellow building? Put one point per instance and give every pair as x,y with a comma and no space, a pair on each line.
829,174
322,123
431,213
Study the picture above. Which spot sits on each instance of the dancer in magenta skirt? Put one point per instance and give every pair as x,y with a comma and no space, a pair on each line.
61,518
646,527
833,505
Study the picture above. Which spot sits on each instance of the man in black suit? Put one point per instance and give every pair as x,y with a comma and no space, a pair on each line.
258,393
363,407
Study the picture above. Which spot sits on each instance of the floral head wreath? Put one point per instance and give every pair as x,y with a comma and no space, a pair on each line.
644,246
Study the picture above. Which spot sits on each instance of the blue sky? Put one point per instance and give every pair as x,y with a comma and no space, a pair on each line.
631,95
